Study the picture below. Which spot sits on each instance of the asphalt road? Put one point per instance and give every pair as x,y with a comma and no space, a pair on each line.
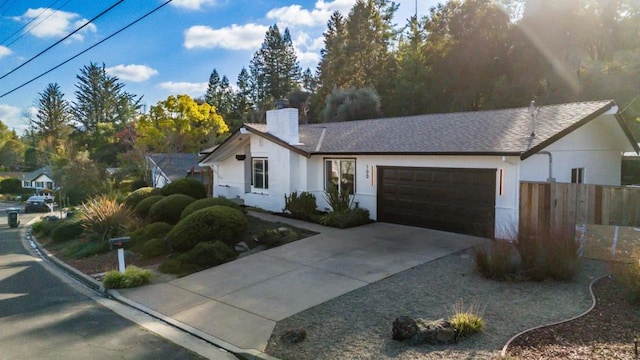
45,316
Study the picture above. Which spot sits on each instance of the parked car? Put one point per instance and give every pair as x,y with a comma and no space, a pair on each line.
37,204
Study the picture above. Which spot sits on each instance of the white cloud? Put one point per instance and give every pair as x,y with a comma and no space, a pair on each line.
12,117
184,87
293,15
56,24
132,72
4,51
192,4
236,37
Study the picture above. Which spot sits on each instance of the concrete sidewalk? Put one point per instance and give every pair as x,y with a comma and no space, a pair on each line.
237,304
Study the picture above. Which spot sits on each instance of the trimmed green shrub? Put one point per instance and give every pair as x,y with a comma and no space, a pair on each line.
275,237
10,186
83,249
346,219
155,247
138,195
301,206
143,207
498,261
138,184
209,224
169,208
44,227
133,276
207,202
152,231
67,229
186,186
203,255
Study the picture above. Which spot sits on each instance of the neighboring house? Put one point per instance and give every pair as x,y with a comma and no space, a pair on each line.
457,172
41,179
166,168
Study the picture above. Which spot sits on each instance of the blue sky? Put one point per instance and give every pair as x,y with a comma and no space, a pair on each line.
172,51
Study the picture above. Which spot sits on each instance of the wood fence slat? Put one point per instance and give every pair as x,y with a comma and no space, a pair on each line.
548,207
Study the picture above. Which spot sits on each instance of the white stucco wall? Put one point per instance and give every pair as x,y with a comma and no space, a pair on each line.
228,177
597,147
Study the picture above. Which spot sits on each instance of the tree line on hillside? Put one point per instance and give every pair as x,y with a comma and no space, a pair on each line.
463,56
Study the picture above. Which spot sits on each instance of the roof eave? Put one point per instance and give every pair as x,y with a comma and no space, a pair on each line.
566,131
627,132
278,141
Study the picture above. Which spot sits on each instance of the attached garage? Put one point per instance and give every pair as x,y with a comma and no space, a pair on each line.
450,199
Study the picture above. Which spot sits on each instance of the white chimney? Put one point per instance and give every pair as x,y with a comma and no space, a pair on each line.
283,123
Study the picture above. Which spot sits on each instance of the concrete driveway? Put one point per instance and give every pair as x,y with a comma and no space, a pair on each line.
240,302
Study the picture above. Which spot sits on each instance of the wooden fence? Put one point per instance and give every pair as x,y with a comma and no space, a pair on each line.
554,207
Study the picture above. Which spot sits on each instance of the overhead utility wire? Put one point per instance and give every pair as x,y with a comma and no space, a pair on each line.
63,39
32,20
87,49
10,2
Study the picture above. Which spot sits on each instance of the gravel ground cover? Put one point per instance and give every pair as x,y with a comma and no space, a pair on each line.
358,325
607,332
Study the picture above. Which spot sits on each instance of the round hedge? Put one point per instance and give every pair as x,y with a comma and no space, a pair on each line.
220,223
169,208
152,231
186,186
207,202
67,230
138,195
143,207
155,247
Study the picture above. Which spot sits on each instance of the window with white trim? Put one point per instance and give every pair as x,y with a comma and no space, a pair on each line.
577,175
340,173
260,173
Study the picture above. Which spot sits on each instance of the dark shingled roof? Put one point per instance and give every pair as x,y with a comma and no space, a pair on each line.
176,166
500,132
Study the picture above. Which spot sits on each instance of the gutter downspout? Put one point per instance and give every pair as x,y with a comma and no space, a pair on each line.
550,179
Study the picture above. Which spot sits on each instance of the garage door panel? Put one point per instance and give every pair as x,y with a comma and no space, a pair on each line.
457,200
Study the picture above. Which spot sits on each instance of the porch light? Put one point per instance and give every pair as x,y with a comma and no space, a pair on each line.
241,157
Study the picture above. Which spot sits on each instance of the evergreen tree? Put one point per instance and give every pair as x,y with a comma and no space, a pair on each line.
102,108
274,68
412,76
54,114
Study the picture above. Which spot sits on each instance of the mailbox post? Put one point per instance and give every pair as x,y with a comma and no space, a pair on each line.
118,243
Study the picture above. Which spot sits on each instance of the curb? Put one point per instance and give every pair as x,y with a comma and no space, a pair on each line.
503,353
244,354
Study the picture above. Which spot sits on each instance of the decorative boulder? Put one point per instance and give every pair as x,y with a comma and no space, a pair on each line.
434,332
404,328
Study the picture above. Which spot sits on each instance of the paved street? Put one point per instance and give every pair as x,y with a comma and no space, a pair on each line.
43,317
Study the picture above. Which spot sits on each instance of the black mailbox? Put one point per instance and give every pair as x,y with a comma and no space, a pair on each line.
119,242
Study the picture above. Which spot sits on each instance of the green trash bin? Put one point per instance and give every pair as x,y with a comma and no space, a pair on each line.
13,218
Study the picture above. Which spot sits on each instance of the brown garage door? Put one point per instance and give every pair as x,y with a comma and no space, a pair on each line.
449,199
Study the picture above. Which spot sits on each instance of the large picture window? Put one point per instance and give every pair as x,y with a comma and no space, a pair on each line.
341,173
260,174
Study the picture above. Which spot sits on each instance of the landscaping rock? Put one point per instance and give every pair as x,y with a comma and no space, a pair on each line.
283,229
404,328
434,332
293,336
241,247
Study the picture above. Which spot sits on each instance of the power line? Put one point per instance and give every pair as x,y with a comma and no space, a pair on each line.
63,39
8,3
32,20
86,50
